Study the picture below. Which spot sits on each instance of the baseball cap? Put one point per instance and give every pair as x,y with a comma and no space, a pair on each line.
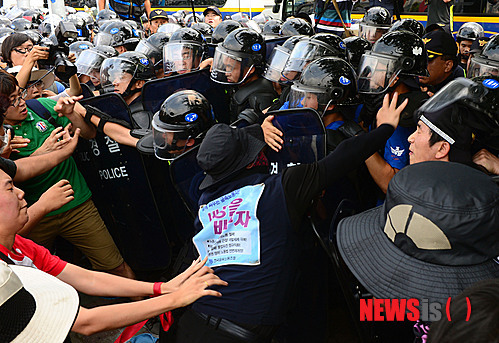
478,44
156,14
439,43
214,9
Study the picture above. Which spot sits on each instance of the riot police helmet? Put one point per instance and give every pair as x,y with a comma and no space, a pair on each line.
137,29
6,31
104,15
181,122
45,28
90,60
152,47
242,52
205,29
356,47
312,48
296,26
117,33
223,29
124,70
398,53
184,51
191,19
409,24
487,62
469,31
35,36
81,26
272,27
4,21
21,24
34,16
239,16
169,28
481,96
78,47
375,23
278,59
324,82
87,18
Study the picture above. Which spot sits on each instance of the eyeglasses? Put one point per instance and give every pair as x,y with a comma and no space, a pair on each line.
20,97
23,50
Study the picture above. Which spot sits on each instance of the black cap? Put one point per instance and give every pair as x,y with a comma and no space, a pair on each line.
226,150
447,124
436,27
439,43
156,14
478,44
214,9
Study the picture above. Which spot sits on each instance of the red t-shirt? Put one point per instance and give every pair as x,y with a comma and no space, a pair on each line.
28,253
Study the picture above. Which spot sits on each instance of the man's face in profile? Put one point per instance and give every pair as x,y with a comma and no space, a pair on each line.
232,69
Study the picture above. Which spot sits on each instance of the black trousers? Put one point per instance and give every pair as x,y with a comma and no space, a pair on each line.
195,328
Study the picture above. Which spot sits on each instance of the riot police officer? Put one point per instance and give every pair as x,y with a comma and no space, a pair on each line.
117,34
239,61
375,23
184,51
223,29
467,33
89,63
409,24
356,47
487,62
180,124
391,67
296,26
152,47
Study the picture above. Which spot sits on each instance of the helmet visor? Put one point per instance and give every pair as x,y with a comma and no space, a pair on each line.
181,57
88,61
117,72
458,90
303,53
276,64
103,38
479,67
168,143
372,33
169,28
376,73
230,69
154,54
309,97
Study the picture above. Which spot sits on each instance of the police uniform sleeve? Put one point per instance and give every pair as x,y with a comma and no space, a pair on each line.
303,183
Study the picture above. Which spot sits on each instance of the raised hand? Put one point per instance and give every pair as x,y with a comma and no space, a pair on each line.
57,196
389,113
272,134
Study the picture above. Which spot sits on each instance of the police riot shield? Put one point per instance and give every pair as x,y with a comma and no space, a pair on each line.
271,43
304,138
156,91
121,190
304,142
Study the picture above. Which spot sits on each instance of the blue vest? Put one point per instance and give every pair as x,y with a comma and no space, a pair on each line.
257,294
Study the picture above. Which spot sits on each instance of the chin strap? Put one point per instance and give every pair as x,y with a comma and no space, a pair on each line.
129,91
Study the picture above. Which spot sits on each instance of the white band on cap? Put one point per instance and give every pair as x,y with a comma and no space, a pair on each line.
437,130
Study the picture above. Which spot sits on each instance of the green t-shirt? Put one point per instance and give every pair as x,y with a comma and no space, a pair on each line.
37,130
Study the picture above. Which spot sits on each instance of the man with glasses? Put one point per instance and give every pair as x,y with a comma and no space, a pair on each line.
77,221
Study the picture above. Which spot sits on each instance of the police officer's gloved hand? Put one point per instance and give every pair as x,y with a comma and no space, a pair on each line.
350,129
372,103
251,116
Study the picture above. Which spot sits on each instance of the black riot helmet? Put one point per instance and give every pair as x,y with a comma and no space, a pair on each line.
324,82
117,33
487,62
312,48
35,36
205,29
87,18
469,31
409,24
113,71
181,122
137,29
184,51
398,53
356,47
296,26
272,27
278,58
481,96
152,47
79,46
4,21
241,51
375,23
21,24
104,15
223,29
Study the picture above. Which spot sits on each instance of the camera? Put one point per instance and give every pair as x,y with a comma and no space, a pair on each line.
58,44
